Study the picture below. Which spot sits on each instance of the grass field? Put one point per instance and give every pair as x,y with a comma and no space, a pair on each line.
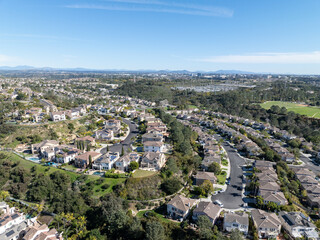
98,191
294,107
142,173
160,217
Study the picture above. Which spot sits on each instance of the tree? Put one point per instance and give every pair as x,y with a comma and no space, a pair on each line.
134,165
205,226
122,151
21,96
185,147
40,207
215,168
171,185
269,155
135,230
171,165
236,235
90,162
88,147
204,222
260,202
154,231
112,217
71,127
4,195
207,187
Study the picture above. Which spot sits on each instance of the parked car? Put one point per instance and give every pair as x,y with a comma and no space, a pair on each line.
217,202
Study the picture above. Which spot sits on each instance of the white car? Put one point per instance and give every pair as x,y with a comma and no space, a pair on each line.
217,202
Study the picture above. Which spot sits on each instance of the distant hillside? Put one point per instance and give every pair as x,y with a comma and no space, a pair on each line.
31,68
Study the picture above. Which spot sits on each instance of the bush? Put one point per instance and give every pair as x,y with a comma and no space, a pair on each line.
99,181
105,186
171,185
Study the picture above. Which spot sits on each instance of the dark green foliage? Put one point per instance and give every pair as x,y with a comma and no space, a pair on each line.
215,168
154,231
171,185
134,165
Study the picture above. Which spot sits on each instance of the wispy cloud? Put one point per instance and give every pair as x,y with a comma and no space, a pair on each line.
5,58
281,58
39,36
157,6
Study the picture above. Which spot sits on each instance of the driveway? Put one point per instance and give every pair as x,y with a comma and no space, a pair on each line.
127,142
232,197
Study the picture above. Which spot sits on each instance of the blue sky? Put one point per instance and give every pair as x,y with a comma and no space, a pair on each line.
280,36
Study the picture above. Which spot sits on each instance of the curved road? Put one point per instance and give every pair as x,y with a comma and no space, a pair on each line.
232,197
127,142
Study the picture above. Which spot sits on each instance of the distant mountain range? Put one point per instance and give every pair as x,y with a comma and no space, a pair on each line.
31,68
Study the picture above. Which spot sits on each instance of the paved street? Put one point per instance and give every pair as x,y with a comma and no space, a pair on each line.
127,142
232,197
308,164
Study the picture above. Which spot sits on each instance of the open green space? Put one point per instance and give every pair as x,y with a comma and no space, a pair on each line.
155,214
192,107
294,107
143,173
221,178
99,189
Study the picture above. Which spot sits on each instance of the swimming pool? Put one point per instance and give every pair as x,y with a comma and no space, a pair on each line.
98,173
35,159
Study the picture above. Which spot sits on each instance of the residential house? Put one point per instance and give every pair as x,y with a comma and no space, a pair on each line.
153,146
124,162
66,155
105,134
179,207
113,123
3,207
11,224
40,231
267,224
82,161
273,196
209,159
201,176
208,209
267,176
106,161
88,140
153,161
44,147
298,225
233,221
152,137
58,116
48,105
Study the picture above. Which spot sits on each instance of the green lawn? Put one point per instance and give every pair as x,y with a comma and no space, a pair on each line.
98,191
157,215
221,178
142,173
192,107
294,107
224,162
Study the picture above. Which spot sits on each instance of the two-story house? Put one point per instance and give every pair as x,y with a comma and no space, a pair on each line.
233,221
179,207
268,224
